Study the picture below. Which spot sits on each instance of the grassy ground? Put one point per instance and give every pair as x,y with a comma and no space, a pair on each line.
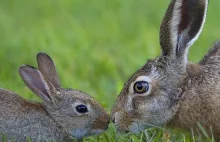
96,45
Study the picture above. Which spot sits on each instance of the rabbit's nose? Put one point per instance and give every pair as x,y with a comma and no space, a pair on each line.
108,120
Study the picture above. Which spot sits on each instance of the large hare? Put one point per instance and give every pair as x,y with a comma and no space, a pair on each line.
64,113
169,90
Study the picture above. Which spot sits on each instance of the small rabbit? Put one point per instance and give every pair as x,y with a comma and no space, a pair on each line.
169,90
64,114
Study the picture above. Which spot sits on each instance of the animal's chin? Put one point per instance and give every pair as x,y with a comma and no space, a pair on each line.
121,129
136,128
80,133
96,132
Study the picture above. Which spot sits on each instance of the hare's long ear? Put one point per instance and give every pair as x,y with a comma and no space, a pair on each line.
48,69
38,84
181,26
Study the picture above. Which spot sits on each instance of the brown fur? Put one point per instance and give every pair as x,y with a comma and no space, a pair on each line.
200,102
26,119
181,94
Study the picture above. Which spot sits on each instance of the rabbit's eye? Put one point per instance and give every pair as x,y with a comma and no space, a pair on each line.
141,87
81,109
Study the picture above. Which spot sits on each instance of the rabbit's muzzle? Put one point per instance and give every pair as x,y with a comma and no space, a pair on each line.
101,123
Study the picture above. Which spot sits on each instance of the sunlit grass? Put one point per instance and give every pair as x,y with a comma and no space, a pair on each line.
96,45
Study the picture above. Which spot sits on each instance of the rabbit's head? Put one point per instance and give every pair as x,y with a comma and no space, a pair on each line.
76,112
150,97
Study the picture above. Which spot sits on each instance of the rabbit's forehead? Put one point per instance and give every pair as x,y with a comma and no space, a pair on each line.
78,97
84,100
91,104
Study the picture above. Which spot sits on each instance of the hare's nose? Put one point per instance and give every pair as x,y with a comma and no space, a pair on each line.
113,118
112,115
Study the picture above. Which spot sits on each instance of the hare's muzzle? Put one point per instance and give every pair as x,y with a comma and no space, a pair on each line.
113,119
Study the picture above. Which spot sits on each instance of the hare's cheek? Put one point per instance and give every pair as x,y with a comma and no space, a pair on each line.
140,104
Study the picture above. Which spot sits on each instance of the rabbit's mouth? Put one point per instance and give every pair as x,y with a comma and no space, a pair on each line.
96,131
79,133
100,124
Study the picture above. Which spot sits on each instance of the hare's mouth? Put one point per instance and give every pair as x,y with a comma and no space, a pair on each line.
136,128
131,125
124,121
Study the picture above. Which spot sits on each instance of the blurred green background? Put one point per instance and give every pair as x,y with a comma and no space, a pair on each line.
96,44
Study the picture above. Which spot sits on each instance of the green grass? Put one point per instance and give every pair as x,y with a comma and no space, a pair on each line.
96,45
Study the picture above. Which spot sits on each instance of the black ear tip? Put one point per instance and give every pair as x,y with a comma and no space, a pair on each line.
42,55
21,69
24,68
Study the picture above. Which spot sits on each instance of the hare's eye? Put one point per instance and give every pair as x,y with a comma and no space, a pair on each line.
141,87
81,109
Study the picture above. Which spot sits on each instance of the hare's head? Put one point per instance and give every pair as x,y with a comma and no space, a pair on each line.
76,112
150,97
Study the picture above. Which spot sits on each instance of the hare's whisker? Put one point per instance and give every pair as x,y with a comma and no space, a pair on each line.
147,116
152,126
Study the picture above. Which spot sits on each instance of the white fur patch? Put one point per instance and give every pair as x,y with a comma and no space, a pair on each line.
141,78
117,117
135,128
132,93
129,103
43,80
154,73
58,93
174,22
79,133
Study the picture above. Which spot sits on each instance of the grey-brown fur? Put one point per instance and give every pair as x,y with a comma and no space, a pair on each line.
181,94
26,118
56,117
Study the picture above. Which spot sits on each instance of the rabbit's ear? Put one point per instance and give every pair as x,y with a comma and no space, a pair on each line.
37,83
181,26
48,69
